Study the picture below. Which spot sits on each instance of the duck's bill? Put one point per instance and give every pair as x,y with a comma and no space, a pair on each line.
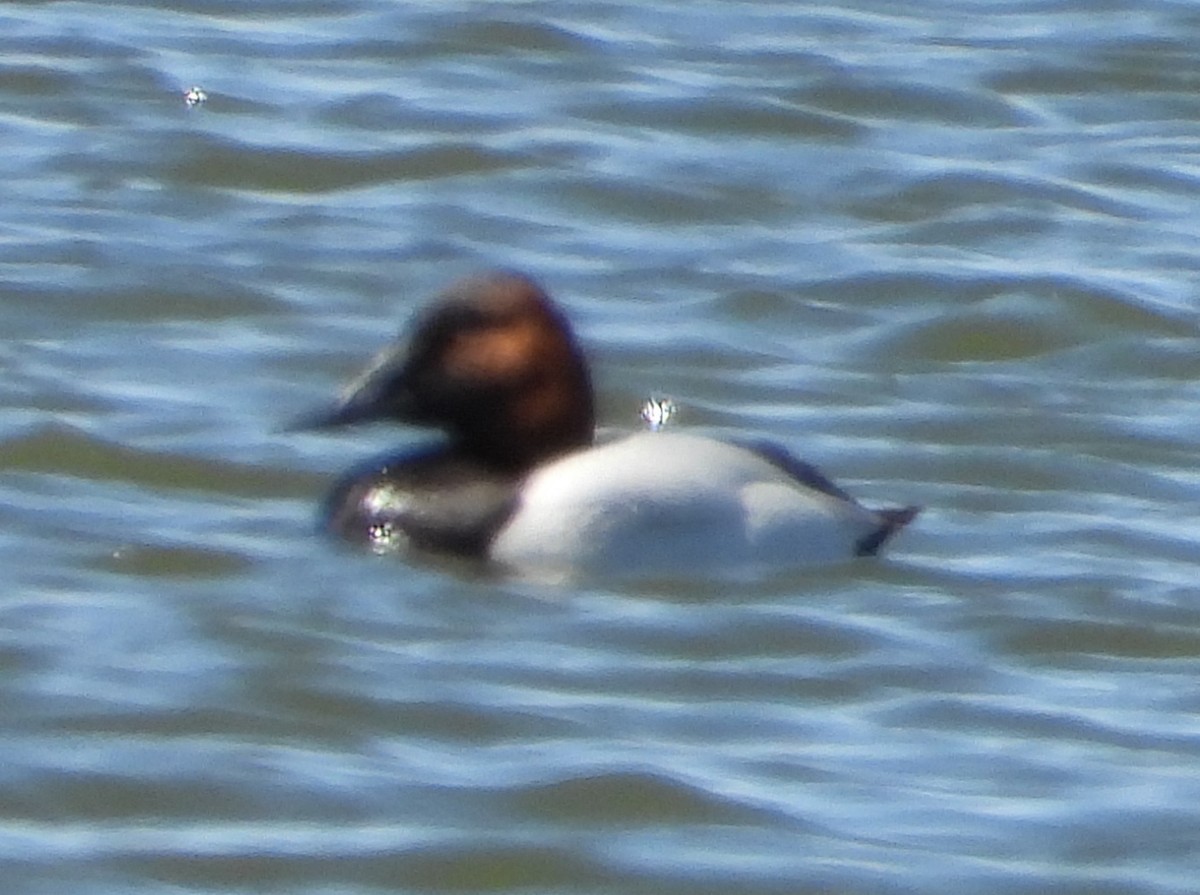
380,393
328,418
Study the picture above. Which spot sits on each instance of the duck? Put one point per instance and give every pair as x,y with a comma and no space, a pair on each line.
519,479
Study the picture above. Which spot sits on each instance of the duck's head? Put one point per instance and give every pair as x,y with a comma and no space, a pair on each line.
492,362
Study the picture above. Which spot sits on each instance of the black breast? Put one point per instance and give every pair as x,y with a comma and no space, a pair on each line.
429,499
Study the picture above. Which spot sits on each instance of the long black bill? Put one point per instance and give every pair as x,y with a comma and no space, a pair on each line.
340,414
380,393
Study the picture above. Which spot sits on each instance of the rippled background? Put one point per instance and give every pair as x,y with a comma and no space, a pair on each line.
948,251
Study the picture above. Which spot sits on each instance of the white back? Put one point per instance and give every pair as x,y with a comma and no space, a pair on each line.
659,502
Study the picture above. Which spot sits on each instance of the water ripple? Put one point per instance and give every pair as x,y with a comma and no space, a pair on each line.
950,258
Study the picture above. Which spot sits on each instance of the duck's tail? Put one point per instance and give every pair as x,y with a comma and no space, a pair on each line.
891,521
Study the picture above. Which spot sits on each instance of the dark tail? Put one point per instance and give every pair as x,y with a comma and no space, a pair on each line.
890,521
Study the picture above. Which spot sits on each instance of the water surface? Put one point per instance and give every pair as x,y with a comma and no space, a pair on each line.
945,251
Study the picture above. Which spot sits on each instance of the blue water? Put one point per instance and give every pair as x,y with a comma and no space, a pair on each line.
945,251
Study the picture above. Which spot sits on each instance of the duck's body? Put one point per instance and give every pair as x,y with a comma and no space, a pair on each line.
663,501
520,483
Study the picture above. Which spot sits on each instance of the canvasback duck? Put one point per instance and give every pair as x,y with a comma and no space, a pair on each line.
519,480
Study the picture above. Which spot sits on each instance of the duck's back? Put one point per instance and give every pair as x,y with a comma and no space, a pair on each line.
672,502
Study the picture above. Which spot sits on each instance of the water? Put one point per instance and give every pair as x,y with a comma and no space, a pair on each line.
946,251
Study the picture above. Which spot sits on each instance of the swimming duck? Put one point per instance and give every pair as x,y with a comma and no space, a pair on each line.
520,480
